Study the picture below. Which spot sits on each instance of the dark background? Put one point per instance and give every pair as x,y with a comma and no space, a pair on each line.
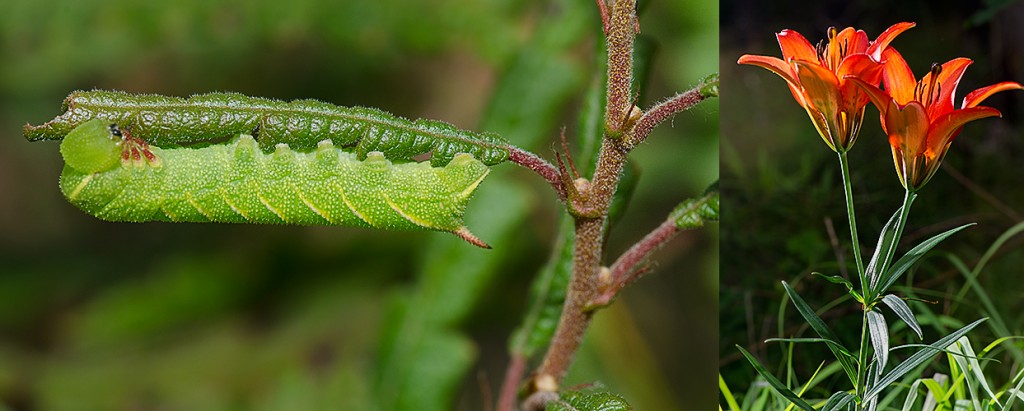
103,316
782,187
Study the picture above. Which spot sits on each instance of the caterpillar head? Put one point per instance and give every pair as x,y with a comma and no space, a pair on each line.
92,147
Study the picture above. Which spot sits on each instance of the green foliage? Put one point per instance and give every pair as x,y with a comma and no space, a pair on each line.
422,359
302,124
589,400
694,212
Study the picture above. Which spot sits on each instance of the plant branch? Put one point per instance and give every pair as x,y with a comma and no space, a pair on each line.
628,267
595,197
668,108
510,387
540,166
621,33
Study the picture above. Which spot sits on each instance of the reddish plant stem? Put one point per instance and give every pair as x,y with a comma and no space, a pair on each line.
627,268
621,33
510,387
587,253
593,197
663,111
538,165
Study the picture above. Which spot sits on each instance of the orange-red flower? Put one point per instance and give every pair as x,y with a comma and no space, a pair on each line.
818,77
918,116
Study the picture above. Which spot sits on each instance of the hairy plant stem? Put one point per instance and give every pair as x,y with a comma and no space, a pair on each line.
844,165
510,386
587,252
627,269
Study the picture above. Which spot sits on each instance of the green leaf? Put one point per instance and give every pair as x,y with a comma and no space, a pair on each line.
902,311
547,295
694,212
879,337
823,331
589,401
775,383
171,121
838,401
709,86
918,358
422,358
965,357
911,257
730,399
885,239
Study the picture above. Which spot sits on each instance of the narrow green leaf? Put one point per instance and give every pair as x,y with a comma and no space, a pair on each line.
422,357
171,121
902,311
834,279
730,399
1015,393
911,257
775,383
823,331
967,359
589,401
885,239
919,358
879,337
841,400
694,212
547,295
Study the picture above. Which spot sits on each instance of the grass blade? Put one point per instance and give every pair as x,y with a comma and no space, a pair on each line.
775,383
823,331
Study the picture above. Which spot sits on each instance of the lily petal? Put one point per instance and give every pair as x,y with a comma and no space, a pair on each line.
776,65
907,128
942,101
977,96
896,76
945,128
795,46
862,67
820,86
854,41
882,42
879,98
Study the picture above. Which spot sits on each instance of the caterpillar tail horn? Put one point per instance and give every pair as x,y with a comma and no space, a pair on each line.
471,238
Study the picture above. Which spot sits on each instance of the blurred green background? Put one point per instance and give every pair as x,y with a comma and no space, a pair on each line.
104,316
782,188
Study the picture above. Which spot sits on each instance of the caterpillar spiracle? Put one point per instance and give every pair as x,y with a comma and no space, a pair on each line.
116,177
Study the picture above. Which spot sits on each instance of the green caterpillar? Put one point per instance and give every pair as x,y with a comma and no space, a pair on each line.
117,177
172,121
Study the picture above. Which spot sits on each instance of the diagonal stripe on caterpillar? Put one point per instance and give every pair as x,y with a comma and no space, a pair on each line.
238,183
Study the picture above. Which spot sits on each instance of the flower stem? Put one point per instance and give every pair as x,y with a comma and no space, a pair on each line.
844,164
862,360
908,199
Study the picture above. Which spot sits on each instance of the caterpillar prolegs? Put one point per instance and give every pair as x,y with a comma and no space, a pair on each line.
116,177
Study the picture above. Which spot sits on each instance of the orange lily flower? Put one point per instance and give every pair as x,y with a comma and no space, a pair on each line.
817,77
918,116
